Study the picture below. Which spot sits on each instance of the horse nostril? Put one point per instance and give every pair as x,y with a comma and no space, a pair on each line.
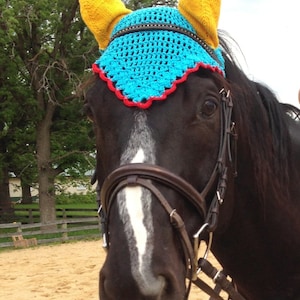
106,287
157,287
110,289
152,287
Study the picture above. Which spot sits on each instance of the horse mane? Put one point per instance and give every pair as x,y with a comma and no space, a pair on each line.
262,124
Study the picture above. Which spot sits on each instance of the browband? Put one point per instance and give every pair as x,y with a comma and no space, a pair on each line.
169,27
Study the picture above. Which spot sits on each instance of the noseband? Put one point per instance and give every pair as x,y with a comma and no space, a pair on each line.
144,175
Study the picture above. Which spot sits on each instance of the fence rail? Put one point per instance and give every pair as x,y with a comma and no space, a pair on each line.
32,215
63,228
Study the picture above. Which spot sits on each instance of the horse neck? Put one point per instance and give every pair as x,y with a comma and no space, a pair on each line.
262,238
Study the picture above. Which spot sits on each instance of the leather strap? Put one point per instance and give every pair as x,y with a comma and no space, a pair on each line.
207,289
220,279
141,174
175,219
155,173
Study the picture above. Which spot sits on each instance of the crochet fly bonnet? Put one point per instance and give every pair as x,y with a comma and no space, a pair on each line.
148,52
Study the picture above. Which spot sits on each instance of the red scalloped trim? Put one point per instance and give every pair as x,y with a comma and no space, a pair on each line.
147,104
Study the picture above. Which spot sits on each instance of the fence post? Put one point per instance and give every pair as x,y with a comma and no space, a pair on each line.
64,213
19,229
30,216
64,226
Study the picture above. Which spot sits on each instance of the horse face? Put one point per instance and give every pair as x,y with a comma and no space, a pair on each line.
145,259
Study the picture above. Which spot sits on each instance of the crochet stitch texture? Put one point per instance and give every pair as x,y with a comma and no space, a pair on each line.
144,66
203,15
101,16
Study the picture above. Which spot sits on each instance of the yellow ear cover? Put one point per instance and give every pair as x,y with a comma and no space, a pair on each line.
203,15
101,16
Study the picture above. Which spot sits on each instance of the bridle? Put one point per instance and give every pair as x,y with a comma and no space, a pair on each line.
141,174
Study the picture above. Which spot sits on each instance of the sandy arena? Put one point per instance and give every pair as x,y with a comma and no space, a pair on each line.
57,272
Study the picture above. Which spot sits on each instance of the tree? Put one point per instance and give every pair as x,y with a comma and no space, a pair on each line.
50,50
15,102
45,52
136,4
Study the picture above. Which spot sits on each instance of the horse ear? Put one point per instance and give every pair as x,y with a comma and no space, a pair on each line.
101,16
203,15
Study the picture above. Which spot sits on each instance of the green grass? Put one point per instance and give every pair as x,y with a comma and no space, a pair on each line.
22,216
86,233
69,205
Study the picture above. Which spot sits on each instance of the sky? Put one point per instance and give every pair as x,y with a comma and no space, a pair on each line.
268,34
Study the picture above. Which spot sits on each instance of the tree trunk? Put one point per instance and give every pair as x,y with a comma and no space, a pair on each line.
46,178
46,200
6,208
26,193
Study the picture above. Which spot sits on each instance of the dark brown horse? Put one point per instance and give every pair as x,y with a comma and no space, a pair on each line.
218,160
257,236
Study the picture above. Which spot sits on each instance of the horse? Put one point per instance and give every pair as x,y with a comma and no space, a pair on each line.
218,161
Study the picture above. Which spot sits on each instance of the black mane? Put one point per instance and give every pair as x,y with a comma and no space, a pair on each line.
261,120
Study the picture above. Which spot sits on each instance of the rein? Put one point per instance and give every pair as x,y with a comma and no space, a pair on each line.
142,174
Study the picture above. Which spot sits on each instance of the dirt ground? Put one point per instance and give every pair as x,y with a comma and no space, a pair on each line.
57,272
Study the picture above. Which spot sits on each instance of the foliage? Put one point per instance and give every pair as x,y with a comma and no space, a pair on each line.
45,56
76,199
136,4
46,53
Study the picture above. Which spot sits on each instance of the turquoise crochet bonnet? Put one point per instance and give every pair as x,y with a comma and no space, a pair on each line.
151,51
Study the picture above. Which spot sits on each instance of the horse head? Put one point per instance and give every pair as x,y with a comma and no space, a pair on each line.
146,256
165,136
149,145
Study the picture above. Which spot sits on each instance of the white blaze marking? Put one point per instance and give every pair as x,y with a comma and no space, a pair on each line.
134,205
139,157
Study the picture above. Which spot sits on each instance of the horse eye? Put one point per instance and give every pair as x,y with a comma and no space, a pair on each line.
208,108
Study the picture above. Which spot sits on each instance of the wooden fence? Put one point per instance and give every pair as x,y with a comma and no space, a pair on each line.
32,215
64,228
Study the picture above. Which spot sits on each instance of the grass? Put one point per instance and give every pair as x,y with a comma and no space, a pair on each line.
69,205
80,210
23,217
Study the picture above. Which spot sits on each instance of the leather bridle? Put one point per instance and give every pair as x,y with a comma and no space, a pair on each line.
141,174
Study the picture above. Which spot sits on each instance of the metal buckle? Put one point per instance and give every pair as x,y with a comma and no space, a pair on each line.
103,227
197,247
